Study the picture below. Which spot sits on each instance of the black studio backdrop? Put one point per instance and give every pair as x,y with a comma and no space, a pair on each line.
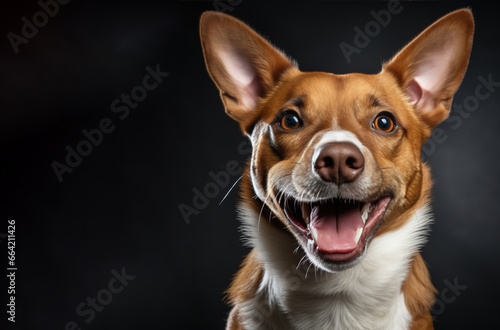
110,126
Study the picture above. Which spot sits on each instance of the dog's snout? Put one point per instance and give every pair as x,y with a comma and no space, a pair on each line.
339,162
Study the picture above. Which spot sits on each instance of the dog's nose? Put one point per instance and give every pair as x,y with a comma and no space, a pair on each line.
339,162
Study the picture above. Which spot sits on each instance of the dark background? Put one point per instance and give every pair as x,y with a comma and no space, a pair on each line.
120,206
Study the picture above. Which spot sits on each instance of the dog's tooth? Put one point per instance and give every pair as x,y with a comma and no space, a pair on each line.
314,233
359,231
364,217
364,212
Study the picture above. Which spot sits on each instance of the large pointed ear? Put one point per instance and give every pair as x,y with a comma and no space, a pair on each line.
431,67
243,65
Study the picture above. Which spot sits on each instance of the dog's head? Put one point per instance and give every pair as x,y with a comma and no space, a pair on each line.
336,158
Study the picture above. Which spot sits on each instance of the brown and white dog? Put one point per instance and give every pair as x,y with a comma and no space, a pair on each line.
335,180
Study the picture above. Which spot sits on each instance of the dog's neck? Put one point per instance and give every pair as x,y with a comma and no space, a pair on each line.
293,291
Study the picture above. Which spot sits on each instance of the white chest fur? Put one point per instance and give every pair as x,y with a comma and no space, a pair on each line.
367,296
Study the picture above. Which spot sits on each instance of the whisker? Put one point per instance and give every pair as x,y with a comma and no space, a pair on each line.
262,209
307,271
231,189
302,260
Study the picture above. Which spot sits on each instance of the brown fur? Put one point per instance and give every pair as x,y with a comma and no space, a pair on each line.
246,281
419,294
233,321
243,287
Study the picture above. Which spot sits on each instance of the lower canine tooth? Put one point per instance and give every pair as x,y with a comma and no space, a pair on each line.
359,231
364,212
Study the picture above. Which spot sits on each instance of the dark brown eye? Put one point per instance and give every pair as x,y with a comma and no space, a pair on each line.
384,123
290,120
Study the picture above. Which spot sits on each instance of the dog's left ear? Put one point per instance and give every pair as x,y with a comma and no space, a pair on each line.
431,67
243,65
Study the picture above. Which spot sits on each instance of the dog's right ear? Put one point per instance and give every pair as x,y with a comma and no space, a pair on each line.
243,65
430,68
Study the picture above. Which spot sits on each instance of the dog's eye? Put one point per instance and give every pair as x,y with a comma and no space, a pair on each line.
290,120
384,123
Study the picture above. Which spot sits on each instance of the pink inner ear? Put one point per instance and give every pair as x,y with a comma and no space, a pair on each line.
434,67
424,100
414,92
243,75
430,76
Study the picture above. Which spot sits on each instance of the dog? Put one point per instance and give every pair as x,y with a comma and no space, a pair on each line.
335,199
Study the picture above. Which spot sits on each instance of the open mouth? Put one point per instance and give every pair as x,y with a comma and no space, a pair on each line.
339,229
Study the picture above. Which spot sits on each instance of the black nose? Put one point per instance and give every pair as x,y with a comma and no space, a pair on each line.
339,162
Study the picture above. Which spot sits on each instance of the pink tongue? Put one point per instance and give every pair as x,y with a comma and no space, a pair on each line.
336,226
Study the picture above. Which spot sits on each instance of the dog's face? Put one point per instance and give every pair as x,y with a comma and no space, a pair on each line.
336,158
331,154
